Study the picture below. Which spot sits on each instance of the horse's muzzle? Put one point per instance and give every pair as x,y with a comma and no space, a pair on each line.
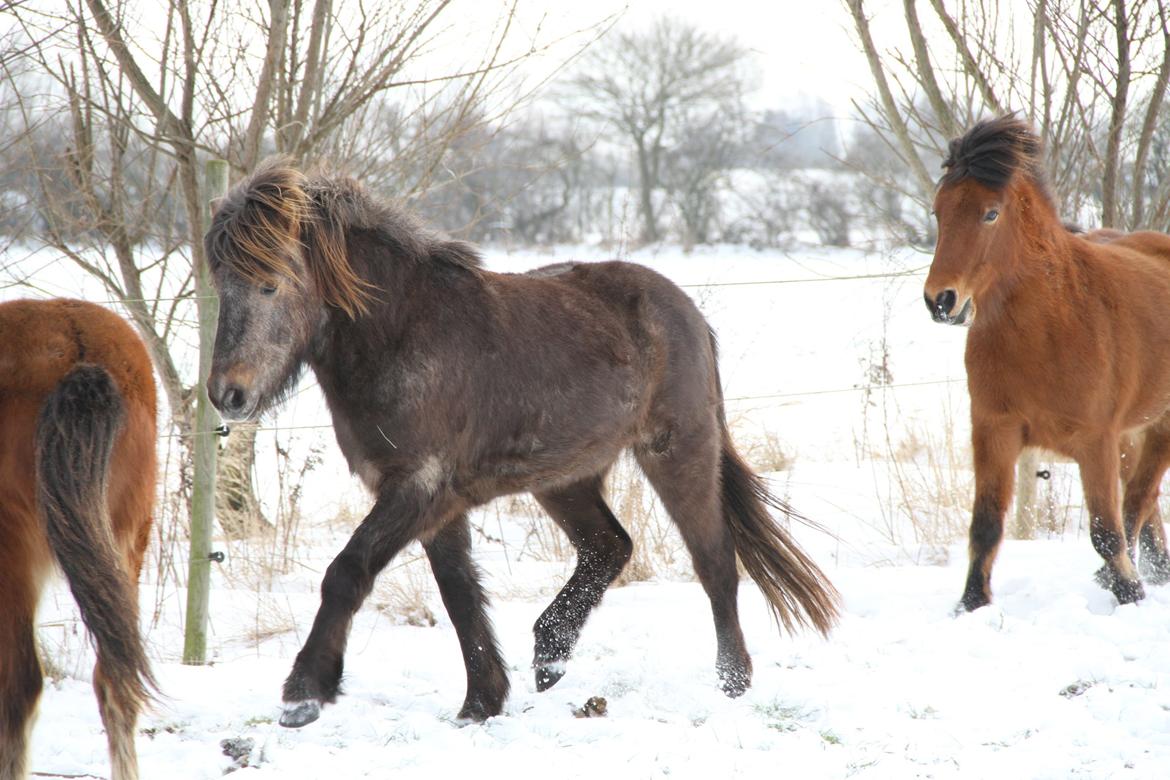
943,308
232,400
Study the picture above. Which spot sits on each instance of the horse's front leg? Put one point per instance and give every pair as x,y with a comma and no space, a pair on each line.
996,448
400,515
1100,468
449,552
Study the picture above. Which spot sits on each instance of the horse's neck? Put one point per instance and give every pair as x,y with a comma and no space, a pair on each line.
1043,281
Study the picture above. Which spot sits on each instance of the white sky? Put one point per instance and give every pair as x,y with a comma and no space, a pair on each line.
803,48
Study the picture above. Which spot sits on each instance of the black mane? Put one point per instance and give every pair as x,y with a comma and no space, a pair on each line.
992,152
349,204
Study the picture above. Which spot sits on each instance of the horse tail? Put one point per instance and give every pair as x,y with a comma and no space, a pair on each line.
796,589
76,432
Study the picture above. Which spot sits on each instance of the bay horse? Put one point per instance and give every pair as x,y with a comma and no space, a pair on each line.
77,480
450,385
1068,350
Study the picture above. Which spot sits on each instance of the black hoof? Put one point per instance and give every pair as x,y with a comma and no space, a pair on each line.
734,684
548,675
971,602
1128,591
300,713
478,711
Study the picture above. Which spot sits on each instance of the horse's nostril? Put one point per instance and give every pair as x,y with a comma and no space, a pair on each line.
945,302
233,399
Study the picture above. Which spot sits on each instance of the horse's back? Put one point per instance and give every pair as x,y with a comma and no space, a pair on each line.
1148,243
632,290
664,326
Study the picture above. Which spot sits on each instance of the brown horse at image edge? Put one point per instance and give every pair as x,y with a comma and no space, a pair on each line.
450,385
1068,350
77,481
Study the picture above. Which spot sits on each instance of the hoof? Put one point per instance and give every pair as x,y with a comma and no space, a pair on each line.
1154,570
970,603
300,713
477,712
1128,591
734,684
1156,576
548,675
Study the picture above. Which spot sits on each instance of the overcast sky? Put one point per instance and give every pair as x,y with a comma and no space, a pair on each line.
803,48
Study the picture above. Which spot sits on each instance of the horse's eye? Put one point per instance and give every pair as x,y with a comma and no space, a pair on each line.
991,216
267,289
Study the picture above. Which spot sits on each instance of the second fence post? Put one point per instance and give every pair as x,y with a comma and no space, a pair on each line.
203,477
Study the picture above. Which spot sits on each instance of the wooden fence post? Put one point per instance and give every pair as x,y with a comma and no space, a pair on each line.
1024,526
203,478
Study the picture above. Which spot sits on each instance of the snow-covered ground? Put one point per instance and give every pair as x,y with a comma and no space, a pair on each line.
864,395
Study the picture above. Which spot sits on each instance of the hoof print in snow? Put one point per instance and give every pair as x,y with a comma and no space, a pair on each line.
1075,689
239,750
301,713
594,708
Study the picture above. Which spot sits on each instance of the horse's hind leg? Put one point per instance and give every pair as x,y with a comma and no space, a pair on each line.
1154,559
458,577
686,478
1100,465
20,685
1143,522
603,548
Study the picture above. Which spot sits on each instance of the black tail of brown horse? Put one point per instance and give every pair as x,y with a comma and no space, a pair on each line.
76,433
797,590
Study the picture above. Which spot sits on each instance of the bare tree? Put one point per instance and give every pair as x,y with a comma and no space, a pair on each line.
237,81
646,83
1090,74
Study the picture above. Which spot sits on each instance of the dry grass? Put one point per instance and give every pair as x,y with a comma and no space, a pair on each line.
658,548
765,451
271,618
404,592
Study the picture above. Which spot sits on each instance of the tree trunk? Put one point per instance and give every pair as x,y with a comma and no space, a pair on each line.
236,506
646,200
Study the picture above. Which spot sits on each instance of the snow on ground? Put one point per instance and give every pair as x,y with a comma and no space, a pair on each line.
859,388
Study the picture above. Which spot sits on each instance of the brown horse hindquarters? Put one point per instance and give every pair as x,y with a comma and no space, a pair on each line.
76,484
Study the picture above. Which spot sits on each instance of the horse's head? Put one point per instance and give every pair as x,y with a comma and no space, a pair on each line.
978,207
276,261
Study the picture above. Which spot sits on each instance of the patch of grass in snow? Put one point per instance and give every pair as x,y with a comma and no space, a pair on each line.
782,717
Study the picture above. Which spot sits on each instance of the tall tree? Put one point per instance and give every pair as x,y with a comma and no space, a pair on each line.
648,83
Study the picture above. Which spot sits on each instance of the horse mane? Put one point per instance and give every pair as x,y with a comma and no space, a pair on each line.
260,223
992,152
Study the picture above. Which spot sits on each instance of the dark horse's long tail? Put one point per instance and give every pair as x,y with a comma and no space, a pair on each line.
76,431
795,587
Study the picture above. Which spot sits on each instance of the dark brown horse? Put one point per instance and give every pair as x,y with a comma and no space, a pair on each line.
1069,349
77,474
450,385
